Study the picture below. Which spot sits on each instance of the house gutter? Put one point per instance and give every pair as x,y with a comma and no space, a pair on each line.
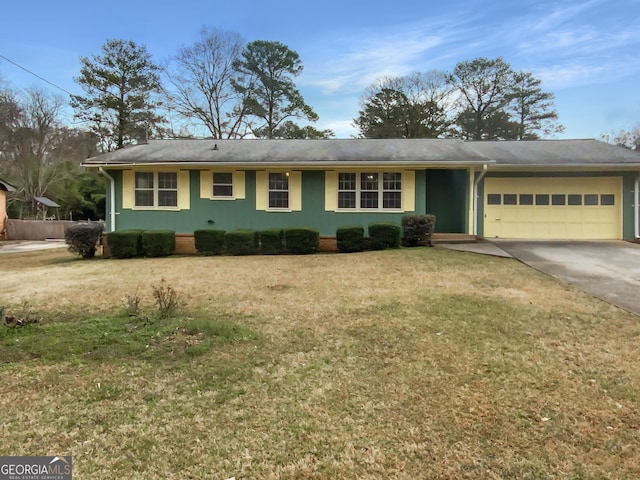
112,198
475,198
636,207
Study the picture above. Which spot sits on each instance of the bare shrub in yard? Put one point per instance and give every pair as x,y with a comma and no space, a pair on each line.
166,298
131,302
25,316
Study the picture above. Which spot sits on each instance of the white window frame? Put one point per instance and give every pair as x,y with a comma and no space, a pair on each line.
358,191
155,187
213,186
271,190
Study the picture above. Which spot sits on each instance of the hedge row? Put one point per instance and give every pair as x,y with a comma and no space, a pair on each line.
415,230
141,243
249,242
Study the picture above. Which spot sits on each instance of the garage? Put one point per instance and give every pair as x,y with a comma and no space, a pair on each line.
553,208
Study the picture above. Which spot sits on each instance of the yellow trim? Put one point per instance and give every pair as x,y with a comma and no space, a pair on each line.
184,194
408,191
262,190
330,191
239,189
206,184
295,191
128,188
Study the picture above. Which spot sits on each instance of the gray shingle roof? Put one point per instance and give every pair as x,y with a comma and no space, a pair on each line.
355,151
307,152
556,153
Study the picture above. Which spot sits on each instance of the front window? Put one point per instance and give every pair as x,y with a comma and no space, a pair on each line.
370,190
156,189
223,184
144,189
278,190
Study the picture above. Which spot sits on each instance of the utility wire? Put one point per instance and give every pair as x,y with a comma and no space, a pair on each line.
36,75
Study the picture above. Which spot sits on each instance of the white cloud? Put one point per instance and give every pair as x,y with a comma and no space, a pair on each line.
369,55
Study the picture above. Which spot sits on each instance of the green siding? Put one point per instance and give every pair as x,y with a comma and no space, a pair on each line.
447,198
235,214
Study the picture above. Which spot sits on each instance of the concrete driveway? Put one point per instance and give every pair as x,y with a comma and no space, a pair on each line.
29,245
609,270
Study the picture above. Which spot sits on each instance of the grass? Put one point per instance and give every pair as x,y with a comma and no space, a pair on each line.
413,363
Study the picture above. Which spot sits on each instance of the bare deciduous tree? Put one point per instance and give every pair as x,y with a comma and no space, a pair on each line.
200,78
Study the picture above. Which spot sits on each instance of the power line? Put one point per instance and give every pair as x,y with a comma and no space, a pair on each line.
35,75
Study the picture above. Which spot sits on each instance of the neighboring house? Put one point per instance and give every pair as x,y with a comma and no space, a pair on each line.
4,188
546,189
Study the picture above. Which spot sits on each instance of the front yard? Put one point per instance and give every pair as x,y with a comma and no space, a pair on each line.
410,363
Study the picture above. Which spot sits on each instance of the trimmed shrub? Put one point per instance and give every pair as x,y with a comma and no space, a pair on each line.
270,241
241,242
125,243
384,235
350,238
158,243
301,241
418,229
209,242
83,238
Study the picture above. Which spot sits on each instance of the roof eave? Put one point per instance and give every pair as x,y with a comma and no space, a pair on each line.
568,166
309,165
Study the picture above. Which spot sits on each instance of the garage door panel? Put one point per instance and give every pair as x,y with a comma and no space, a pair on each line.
573,216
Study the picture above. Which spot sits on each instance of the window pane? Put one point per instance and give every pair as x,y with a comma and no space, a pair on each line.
223,177
278,190
590,199
607,199
346,199
392,181
346,181
167,198
369,181
278,181
391,200
369,199
144,198
510,199
223,191
168,180
494,199
542,199
574,199
144,180
222,184
278,199
526,199
558,199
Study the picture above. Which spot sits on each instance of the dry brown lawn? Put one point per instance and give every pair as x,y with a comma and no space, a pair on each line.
410,363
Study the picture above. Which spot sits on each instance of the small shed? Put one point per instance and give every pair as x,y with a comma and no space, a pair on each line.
44,204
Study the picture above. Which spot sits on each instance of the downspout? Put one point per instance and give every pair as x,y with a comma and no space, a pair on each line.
112,199
475,199
636,207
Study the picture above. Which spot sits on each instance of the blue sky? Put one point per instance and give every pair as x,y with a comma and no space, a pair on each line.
586,52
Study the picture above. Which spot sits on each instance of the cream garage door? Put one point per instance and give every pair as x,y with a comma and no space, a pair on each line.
553,208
